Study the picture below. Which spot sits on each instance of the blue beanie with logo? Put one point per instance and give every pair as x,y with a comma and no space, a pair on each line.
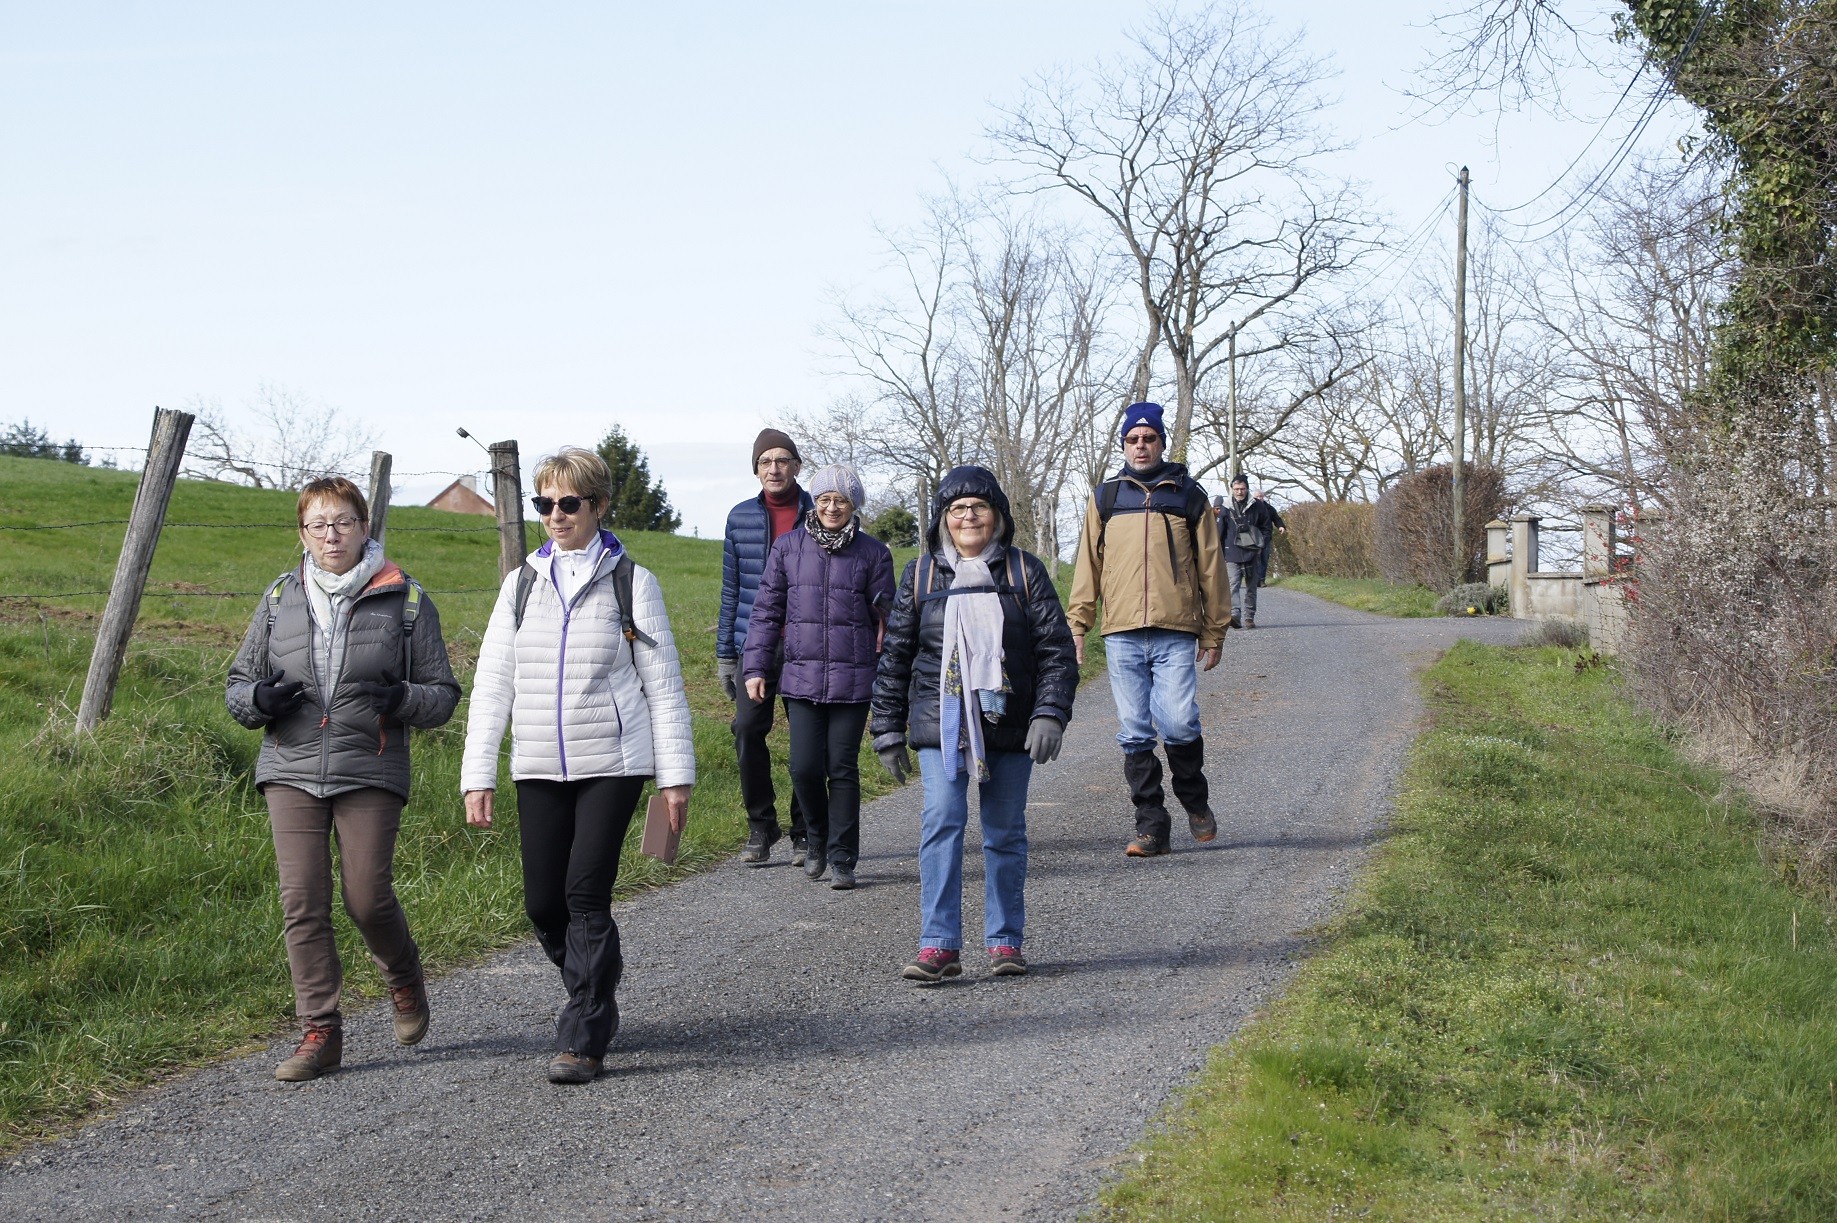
1139,414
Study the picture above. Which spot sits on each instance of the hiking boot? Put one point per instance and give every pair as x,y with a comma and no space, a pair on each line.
933,965
1204,826
320,1051
1146,847
799,851
1250,622
1005,961
815,865
411,1014
842,876
1236,621
758,849
571,1067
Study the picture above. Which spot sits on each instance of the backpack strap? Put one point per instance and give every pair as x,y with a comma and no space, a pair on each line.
411,611
1005,581
621,590
526,580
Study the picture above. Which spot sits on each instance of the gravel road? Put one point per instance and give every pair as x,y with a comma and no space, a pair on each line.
772,1064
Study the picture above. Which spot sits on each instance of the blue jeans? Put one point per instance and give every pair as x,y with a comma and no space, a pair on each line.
1154,676
1004,849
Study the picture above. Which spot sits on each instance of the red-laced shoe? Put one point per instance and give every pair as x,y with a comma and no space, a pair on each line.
1005,961
411,1013
320,1051
933,965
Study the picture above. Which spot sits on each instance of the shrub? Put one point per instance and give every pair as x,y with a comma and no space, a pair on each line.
1561,631
1487,600
895,527
1416,522
1330,539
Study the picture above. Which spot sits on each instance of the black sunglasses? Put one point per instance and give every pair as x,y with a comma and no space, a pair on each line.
569,505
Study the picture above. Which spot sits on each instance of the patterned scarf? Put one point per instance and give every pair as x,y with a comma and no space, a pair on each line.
832,541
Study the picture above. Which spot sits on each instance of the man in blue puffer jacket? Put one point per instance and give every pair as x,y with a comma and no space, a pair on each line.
752,526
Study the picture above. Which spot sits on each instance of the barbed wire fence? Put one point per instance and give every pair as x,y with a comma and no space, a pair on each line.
146,524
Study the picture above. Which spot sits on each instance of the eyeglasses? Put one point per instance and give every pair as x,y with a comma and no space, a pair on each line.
343,526
568,505
834,501
765,463
969,509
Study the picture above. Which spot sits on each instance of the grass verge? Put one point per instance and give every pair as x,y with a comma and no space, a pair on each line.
1568,987
1364,594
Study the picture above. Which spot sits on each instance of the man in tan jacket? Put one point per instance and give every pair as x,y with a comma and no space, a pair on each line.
1150,554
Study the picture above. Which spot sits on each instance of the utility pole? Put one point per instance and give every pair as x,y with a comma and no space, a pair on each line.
1232,467
1459,490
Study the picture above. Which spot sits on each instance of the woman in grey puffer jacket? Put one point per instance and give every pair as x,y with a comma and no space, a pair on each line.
818,622
344,654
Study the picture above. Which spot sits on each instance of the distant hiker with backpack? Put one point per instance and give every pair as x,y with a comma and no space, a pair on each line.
1150,555
579,662
1248,527
978,675
344,654
752,526
822,609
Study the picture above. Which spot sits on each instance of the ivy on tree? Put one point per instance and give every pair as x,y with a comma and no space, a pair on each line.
638,501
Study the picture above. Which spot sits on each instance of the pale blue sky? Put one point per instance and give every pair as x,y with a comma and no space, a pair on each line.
532,220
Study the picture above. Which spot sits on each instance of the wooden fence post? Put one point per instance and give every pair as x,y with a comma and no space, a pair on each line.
507,489
379,493
164,453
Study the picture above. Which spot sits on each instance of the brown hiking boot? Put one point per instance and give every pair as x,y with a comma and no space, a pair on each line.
1146,847
320,1051
1204,825
411,1014
571,1067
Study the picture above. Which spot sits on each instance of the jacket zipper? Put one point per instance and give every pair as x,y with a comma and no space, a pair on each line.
561,671
1147,512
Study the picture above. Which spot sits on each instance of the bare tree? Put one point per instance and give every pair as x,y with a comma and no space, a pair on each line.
288,441
1199,152
1630,302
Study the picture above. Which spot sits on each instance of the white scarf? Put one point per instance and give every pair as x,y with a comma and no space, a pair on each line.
972,636
331,593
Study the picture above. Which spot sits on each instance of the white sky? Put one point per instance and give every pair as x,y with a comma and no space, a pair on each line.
535,220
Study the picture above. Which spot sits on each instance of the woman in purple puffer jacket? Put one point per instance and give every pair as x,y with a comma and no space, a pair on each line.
818,622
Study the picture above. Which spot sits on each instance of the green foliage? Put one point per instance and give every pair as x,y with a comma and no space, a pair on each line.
638,503
895,527
24,441
1567,987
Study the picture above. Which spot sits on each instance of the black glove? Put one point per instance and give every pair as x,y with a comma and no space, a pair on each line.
727,669
386,696
894,758
1044,737
275,699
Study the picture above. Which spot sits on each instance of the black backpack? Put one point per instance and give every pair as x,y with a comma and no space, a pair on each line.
1012,580
621,591
1194,508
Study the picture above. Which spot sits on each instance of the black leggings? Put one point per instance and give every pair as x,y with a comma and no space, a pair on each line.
826,774
572,832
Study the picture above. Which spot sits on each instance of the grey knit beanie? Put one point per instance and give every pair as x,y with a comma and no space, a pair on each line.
839,478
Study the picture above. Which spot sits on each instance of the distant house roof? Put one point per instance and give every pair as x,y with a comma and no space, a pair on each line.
461,498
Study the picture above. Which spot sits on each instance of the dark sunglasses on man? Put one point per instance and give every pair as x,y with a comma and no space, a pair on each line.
569,505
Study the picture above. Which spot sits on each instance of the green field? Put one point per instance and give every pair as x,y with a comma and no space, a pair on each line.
1568,987
139,923
1364,594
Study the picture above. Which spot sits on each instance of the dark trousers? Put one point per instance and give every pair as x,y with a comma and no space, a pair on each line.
364,824
752,723
826,774
572,832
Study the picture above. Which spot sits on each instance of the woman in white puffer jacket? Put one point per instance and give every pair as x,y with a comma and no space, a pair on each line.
593,716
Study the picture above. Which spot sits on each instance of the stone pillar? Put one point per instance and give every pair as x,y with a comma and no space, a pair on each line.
1524,562
1598,542
1498,562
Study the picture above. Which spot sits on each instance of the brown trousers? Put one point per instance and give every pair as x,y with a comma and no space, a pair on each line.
364,824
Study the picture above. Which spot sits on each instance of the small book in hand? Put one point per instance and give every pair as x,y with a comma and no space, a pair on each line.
659,840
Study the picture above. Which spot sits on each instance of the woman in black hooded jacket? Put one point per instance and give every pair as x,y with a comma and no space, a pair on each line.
978,675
